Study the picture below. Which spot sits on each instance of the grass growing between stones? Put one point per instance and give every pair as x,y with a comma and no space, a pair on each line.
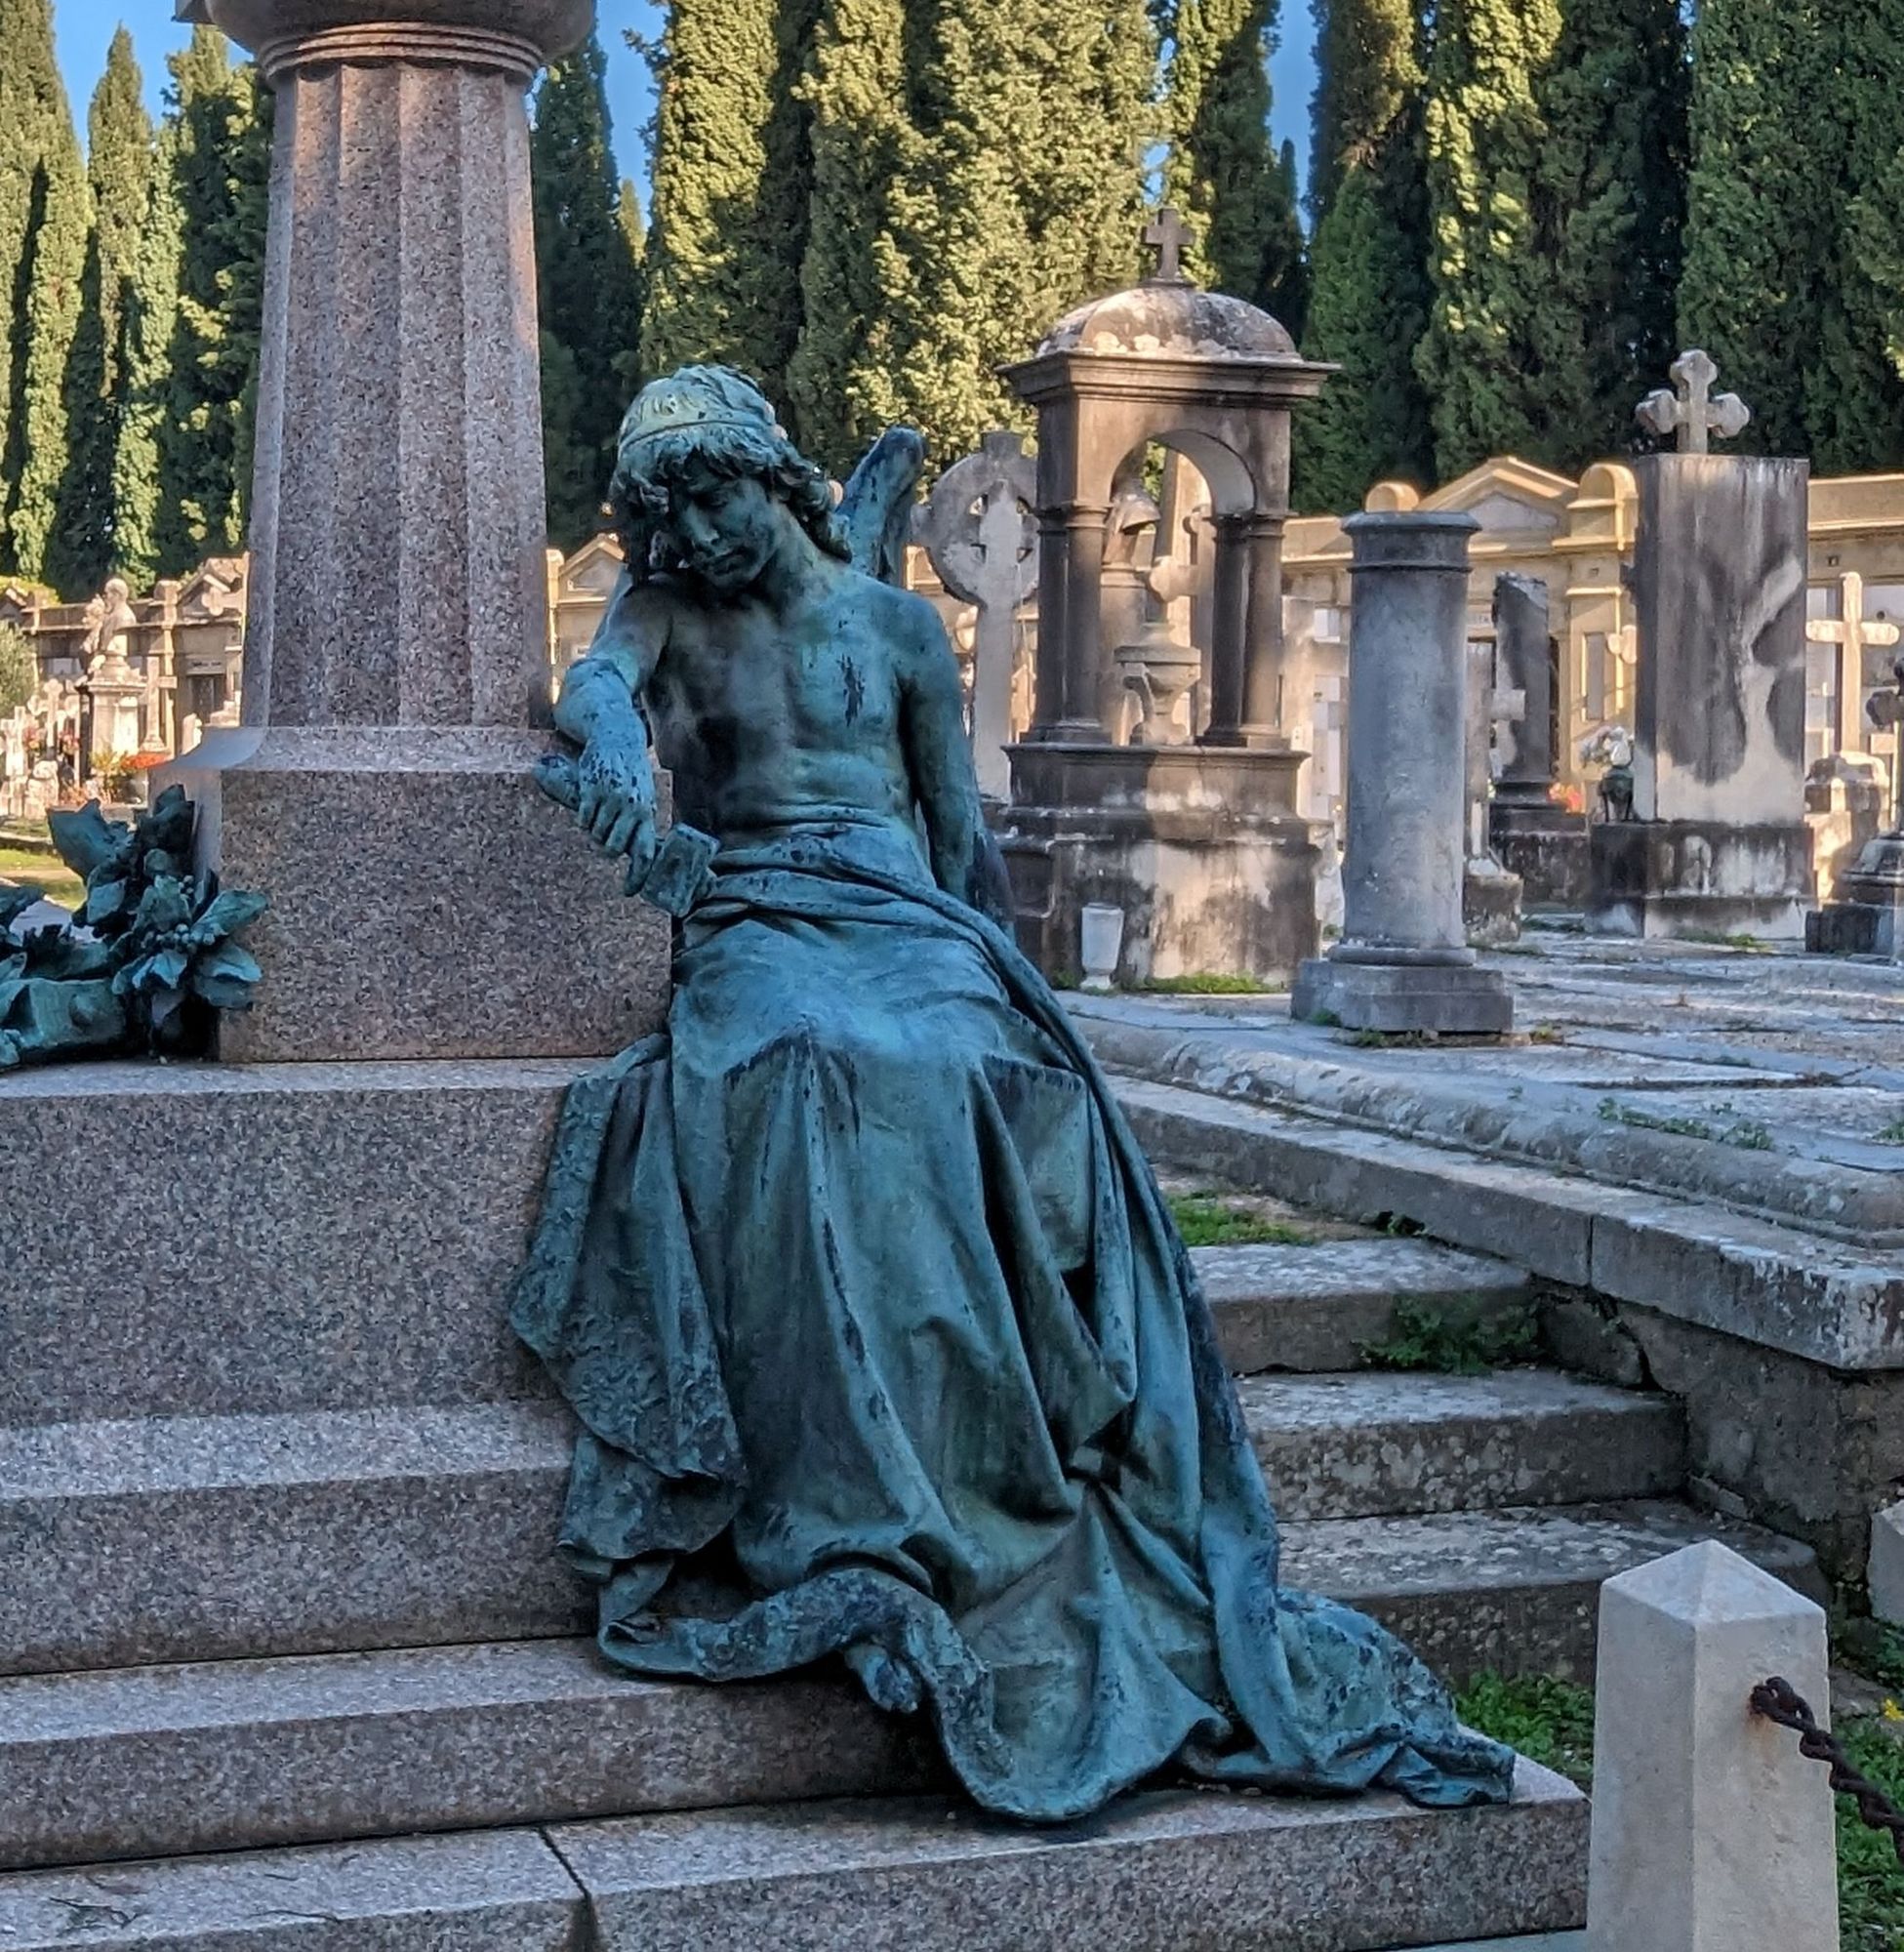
1208,1220
1209,983
1552,1723
1460,1339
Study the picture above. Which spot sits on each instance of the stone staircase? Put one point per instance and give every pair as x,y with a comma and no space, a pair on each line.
320,1664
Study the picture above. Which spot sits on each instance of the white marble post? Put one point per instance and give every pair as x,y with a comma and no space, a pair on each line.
1711,1832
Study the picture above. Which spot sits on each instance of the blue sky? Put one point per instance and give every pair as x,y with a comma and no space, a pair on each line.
85,27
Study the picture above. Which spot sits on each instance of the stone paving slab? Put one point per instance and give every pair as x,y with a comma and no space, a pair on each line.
1197,1873
1474,1101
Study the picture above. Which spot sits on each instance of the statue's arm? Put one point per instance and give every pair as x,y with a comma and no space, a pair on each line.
939,758
600,709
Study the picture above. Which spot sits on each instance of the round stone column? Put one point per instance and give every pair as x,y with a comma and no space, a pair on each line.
1402,964
427,900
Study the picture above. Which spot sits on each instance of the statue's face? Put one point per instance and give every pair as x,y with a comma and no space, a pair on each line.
726,532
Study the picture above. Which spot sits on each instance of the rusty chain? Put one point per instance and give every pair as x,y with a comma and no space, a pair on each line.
1780,1702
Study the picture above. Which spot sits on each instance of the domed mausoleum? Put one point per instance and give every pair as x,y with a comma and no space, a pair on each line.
1196,842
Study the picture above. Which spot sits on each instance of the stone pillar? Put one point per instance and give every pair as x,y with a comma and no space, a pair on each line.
1403,963
1711,1832
1070,571
1229,631
424,892
1268,717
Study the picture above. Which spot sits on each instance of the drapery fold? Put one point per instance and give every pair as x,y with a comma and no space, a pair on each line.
883,1344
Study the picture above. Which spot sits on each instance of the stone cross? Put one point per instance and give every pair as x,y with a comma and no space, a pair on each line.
1689,407
1491,704
1167,234
976,530
1851,631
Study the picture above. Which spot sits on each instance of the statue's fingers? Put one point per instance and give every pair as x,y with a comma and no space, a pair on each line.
621,834
642,851
607,814
585,804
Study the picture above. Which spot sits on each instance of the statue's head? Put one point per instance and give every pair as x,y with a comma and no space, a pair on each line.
705,478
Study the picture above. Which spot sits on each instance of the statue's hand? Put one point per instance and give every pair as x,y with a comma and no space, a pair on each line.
616,799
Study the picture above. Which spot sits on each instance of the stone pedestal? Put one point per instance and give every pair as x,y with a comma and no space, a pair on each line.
1718,735
396,666
428,899
1403,963
1680,877
1201,848
1868,917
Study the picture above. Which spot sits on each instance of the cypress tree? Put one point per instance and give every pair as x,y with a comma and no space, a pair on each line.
1854,397
44,222
1223,173
1485,135
220,159
842,379
150,322
1761,205
730,189
119,169
588,287
1370,293
1609,207
978,172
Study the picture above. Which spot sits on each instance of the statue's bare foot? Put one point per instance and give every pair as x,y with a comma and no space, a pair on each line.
890,1682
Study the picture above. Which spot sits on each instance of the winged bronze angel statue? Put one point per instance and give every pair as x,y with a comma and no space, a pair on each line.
882,1341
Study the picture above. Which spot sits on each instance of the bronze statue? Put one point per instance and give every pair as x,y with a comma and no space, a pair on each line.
882,1342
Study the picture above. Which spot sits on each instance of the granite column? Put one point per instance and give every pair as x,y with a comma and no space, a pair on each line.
1403,963
396,682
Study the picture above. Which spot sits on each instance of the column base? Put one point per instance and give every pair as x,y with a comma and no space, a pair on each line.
428,899
1401,998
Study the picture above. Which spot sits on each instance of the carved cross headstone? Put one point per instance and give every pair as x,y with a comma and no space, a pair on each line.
976,530
1851,631
1691,408
1167,234
1489,704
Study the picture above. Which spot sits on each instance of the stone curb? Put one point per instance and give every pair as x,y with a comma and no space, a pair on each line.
1812,1297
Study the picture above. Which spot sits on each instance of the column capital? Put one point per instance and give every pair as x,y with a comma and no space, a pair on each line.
513,37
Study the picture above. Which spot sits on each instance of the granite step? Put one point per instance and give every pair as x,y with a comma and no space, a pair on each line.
229,1754
189,1538
1517,1591
198,1538
1317,1307
1368,1443
1197,1872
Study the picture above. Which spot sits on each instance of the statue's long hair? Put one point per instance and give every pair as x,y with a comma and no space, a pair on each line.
700,426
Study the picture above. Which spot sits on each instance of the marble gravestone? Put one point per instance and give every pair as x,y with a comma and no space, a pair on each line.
1717,843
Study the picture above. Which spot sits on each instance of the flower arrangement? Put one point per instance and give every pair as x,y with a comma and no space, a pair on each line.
150,958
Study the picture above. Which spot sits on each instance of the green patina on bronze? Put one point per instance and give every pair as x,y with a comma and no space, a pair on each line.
882,1341
151,958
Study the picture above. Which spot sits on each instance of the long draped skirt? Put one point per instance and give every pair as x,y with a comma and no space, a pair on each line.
882,1343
